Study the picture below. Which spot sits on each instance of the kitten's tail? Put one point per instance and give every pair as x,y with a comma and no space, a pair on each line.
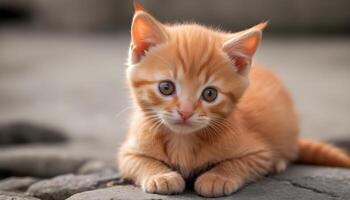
317,153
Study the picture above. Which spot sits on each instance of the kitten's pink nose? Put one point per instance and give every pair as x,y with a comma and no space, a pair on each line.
185,115
185,110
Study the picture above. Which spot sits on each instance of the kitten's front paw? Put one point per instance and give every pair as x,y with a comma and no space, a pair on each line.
168,183
214,185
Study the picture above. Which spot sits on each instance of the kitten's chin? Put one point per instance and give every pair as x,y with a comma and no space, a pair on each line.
183,128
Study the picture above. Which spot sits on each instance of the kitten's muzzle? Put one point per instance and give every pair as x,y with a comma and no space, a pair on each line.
185,115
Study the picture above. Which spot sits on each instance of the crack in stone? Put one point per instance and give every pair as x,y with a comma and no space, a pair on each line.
112,182
307,188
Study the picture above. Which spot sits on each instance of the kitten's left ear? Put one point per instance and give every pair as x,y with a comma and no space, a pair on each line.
240,47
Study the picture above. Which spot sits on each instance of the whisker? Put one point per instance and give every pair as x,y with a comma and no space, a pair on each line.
122,111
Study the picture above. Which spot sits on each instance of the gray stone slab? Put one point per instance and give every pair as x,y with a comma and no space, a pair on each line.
298,182
15,196
332,181
17,183
48,160
95,166
62,187
40,161
267,189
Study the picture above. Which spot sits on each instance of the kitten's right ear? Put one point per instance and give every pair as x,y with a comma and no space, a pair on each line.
146,32
137,6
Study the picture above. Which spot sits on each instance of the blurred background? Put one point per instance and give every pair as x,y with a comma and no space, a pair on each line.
62,62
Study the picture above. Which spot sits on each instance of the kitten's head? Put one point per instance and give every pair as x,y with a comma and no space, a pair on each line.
188,77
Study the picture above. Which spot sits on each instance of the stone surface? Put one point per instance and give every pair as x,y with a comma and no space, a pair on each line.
94,166
48,160
64,186
298,182
267,189
334,182
40,161
15,196
17,183
23,133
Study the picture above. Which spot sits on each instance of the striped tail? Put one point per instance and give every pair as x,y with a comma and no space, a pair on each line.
316,153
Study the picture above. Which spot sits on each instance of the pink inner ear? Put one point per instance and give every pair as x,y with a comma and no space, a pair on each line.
251,45
240,58
140,49
241,49
239,62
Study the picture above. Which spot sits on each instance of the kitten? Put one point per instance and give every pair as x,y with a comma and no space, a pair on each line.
203,112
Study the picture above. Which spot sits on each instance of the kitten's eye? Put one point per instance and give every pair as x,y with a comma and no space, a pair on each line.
209,94
166,88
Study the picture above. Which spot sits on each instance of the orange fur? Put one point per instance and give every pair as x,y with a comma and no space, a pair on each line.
316,153
250,129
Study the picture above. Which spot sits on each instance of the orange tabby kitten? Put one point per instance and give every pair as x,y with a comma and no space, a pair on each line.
202,112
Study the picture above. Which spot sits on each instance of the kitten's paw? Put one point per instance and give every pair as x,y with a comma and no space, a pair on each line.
213,185
168,183
280,166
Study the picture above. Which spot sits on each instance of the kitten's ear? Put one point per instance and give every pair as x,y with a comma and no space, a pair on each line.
240,47
146,32
137,6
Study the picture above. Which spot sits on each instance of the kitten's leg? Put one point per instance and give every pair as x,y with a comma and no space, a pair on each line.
228,176
152,175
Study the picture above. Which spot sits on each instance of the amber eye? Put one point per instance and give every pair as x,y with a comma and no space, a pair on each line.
209,94
166,88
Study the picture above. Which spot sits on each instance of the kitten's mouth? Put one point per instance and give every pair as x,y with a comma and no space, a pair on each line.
183,123
183,126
